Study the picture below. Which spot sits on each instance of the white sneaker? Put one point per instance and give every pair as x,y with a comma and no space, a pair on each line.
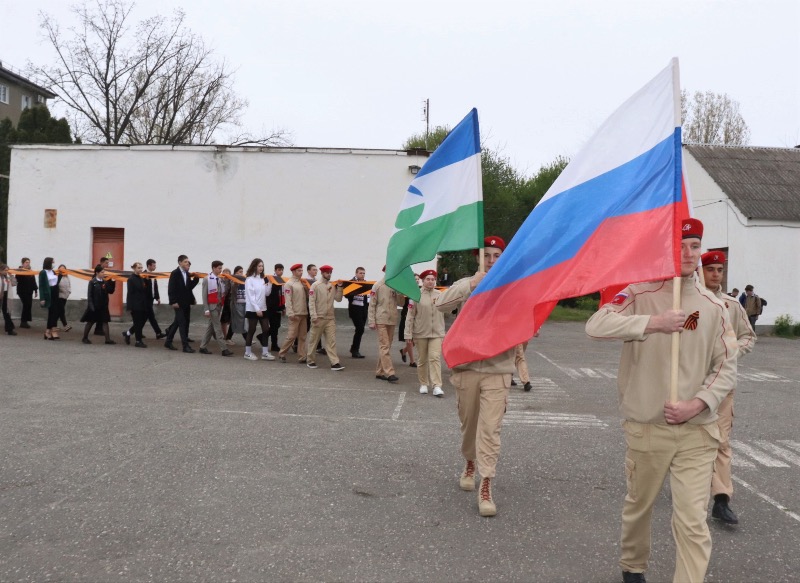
423,389
438,392
267,356
251,357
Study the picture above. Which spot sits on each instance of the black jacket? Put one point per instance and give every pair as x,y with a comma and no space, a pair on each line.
138,294
26,285
181,293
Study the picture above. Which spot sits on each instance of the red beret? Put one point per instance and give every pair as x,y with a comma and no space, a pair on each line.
713,257
691,228
296,266
492,241
427,272
326,268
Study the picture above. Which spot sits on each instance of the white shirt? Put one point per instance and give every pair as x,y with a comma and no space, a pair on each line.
255,293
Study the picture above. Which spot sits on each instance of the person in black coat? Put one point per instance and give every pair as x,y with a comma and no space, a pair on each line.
97,306
138,300
26,290
181,298
109,285
275,308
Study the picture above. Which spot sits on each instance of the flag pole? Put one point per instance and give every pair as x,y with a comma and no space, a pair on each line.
481,266
677,282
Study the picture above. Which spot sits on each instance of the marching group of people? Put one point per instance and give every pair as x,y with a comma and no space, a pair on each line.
687,439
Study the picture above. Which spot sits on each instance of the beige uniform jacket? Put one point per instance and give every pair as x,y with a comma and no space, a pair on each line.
453,298
708,349
423,319
383,304
745,337
320,299
295,294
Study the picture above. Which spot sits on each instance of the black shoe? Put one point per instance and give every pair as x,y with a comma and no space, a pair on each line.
140,344
205,351
337,366
110,342
392,379
358,355
86,341
226,352
412,364
169,345
513,383
127,338
628,577
24,325
381,377
403,354
527,387
160,335
12,332
190,340
188,349
320,351
275,349
722,511
294,349
143,336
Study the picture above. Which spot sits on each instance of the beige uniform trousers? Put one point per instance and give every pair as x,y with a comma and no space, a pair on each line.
721,481
521,363
385,336
429,361
323,327
687,453
297,330
214,328
482,400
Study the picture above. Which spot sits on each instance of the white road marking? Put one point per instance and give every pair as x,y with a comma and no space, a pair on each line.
606,373
400,399
552,419
767,499
757,455
793,444
571,372
590,373
787,455
741,462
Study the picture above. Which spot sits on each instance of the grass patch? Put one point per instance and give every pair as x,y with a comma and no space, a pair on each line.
563,314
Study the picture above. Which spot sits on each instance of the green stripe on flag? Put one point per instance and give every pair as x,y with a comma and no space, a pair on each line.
456,231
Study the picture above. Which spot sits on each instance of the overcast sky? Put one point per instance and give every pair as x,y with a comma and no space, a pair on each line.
543,74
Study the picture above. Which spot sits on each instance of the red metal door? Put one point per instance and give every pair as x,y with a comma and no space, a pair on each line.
110,243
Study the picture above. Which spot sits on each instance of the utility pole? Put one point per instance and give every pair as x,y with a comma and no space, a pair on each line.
426,117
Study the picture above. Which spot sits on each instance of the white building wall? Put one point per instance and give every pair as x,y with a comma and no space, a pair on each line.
285,206
761,253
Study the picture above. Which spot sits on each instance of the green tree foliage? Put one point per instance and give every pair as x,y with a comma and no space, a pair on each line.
508,196
36,126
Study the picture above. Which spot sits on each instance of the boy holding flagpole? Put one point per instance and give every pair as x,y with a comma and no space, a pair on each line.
679,436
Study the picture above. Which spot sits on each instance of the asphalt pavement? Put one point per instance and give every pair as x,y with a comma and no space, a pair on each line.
126,464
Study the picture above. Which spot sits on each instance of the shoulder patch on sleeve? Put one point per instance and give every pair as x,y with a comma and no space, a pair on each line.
619,299
287,291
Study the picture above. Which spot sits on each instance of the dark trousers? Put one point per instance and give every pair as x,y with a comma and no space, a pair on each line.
6,316
359,318
149,316
274,324
180,324
139,318
27,302
52,311
62,310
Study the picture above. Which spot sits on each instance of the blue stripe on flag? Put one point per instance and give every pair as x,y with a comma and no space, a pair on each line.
557,228
461,143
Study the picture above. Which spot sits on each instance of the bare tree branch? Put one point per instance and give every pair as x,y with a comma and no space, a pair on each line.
153,83
712,118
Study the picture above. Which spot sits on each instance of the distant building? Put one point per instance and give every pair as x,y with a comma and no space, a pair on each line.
749,201
18,93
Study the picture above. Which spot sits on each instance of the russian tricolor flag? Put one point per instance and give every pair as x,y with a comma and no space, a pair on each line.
611,217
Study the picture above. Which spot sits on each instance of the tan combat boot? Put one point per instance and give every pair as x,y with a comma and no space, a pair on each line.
467,480
486,506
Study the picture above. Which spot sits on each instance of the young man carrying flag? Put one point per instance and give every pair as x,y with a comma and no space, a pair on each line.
481,391
680,437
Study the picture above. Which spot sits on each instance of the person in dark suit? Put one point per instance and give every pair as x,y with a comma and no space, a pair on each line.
151,290
275,307
109,285
138,299
26,291
179,289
